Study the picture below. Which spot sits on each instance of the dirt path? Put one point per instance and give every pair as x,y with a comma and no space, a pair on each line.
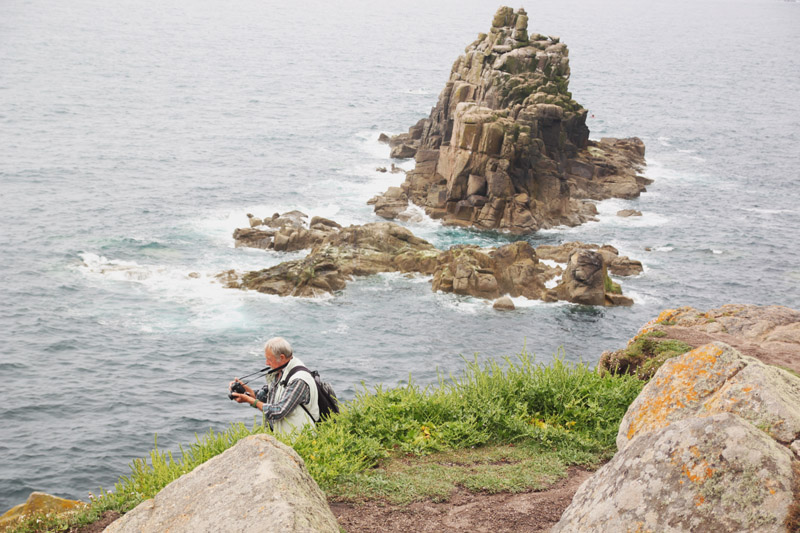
496,513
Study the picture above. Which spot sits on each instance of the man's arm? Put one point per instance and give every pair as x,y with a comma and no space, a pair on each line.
297,392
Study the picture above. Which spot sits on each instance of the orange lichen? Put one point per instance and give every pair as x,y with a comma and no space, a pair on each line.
675,390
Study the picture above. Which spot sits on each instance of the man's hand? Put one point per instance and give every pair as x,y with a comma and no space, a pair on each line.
247,389
242,398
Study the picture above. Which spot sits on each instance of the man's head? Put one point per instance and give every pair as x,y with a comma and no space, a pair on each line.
277,352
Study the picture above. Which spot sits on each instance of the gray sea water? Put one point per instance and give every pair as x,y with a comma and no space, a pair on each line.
135,136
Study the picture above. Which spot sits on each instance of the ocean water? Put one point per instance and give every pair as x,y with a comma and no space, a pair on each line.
135,137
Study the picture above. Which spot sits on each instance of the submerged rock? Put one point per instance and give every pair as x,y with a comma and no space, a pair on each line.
506,146
504,303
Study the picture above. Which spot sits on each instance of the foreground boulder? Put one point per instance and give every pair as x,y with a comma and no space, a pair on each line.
506,146
769,333
259,484
38,503
706,446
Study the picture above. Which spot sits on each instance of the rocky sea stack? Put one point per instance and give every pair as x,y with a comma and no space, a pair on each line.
506,146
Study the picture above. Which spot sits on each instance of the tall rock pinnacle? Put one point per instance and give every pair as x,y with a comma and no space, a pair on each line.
506,146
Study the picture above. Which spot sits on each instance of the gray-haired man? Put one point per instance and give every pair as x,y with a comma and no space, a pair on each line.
286,406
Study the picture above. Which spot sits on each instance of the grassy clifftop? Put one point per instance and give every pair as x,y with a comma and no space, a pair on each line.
503,426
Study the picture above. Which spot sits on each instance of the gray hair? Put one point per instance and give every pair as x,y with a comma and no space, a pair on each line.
279,346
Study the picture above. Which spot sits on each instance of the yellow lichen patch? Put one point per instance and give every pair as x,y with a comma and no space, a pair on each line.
674,390
667,315
640,529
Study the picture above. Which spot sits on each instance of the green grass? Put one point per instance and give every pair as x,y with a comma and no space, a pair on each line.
502,426
610,286
491,469
644,356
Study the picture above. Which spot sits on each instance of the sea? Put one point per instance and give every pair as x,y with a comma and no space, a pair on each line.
135,136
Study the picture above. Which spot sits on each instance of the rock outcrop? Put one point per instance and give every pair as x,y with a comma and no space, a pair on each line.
38,503
338,254
769,333
342,254
284,233
258,484
710,444
506,146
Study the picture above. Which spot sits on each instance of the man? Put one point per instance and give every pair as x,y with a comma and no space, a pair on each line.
286,406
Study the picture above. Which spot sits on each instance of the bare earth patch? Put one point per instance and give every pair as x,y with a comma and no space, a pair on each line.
100,525
465,511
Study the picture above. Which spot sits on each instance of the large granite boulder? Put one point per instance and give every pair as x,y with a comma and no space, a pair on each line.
585,281
510,269
715,474
39,503
710,444
506,146
769,333
259,484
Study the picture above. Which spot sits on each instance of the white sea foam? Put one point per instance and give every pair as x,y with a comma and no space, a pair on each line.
367,142
551,284
211,304
552,264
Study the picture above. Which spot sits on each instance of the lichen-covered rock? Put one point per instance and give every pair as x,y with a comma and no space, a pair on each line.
38,503
716,473
506,146
768,333
257,484
714,379
679,389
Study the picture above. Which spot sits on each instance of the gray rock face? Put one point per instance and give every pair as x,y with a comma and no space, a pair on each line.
715,474
706,446
259,484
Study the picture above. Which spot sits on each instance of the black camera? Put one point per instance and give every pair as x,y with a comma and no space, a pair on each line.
236,387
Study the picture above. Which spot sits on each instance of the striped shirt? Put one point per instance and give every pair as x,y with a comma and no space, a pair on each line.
296,393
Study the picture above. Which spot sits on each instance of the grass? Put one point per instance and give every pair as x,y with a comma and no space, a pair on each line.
610,286
645,355
490,469
502,426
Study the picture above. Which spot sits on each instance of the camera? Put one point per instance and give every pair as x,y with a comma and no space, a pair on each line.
236,387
